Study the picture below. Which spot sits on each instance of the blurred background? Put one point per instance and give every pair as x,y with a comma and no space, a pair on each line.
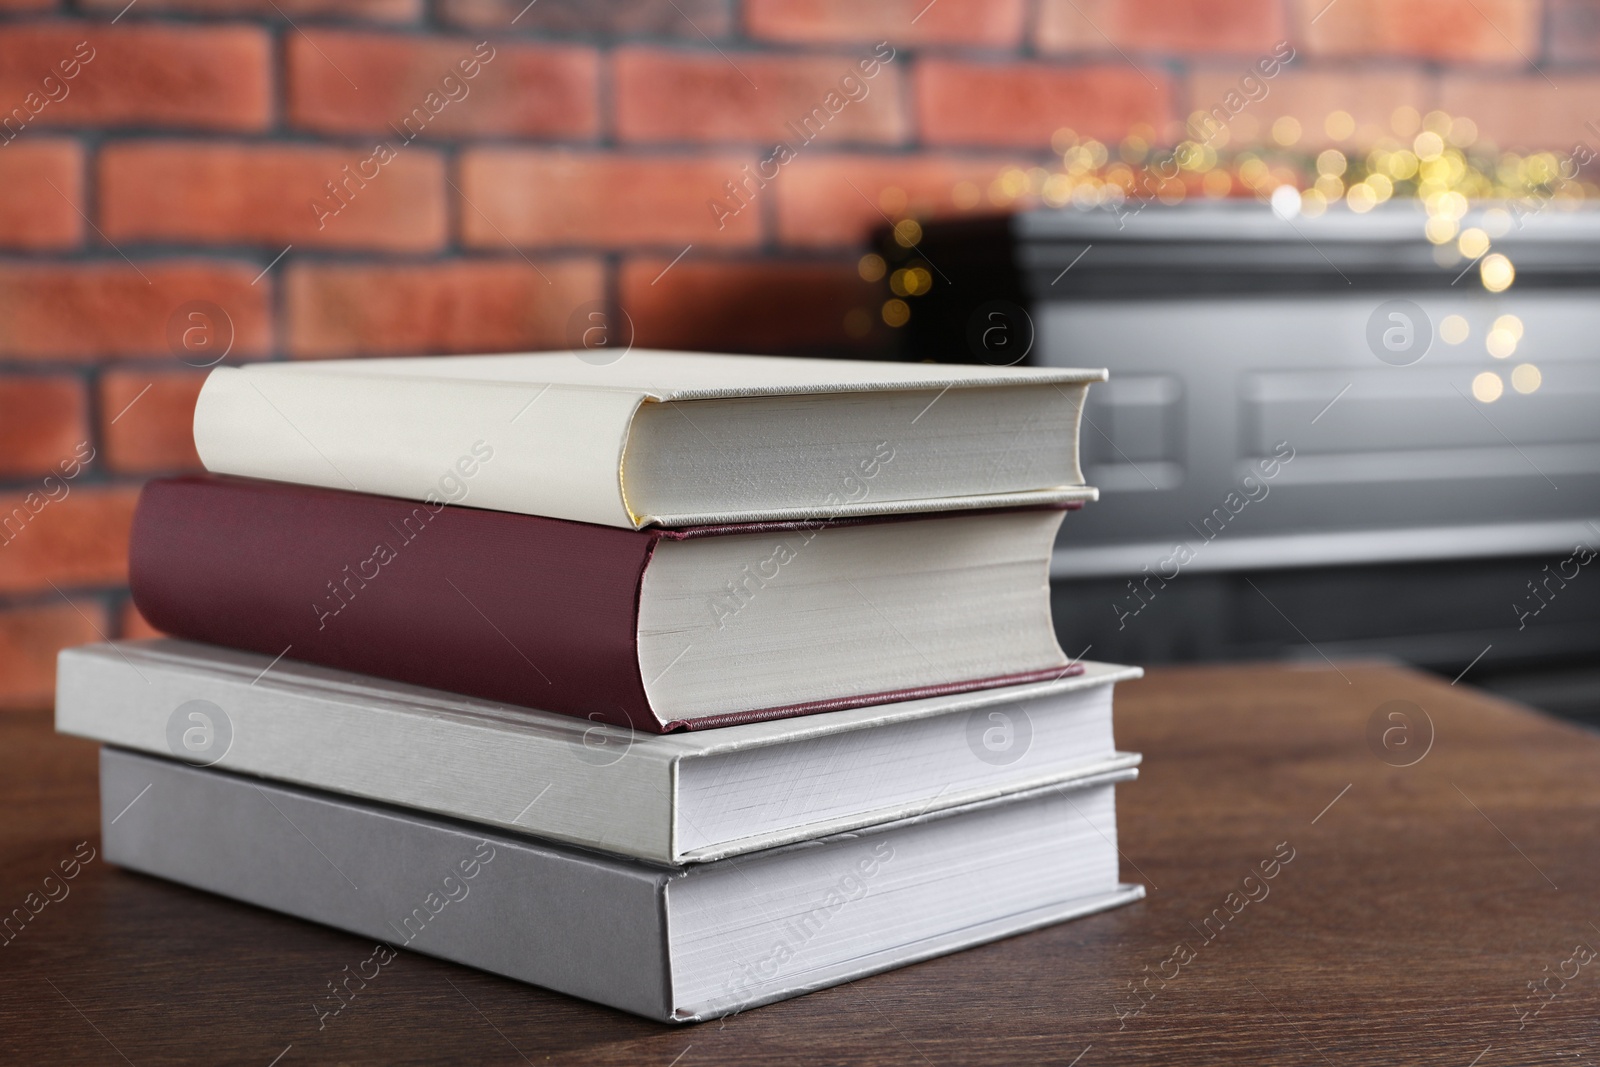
188,181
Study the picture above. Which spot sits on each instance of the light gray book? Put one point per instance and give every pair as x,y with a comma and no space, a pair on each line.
677,944
674,798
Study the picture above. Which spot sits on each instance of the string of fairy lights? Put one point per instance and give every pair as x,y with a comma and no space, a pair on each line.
1436,159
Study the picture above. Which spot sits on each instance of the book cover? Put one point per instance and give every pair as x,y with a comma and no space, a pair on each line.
655,438
542,613
685,797
672,944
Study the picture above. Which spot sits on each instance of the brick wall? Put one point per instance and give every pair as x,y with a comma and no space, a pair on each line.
165,152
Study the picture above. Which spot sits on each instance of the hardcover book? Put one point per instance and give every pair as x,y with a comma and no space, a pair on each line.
653,630
673,944
655,438
678,798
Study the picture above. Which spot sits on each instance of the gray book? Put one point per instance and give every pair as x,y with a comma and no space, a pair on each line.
675,798
676,944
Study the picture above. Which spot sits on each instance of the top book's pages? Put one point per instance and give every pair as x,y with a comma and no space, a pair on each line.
655,438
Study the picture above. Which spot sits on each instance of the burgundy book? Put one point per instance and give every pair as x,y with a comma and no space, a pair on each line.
653,629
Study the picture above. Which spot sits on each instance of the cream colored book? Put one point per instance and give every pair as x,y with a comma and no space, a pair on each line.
655,438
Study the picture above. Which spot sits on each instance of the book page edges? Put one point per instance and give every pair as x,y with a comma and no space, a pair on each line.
1117,766
931,948
760,734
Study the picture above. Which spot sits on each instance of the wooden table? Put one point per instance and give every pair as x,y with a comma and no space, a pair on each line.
1421,904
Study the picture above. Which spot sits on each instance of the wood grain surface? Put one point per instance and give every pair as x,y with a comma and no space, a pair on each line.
1431,914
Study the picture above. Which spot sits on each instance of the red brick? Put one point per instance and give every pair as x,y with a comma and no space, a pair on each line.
78,539
201,77
1023,104
1243,26
366,10
1309,95
41,422
459,306
147,420
522,90
722,306
81,310
536,197
132,626
688,19
10,6
29,640
838,200
680,96
988,23
269,194
1503,31
32,214
1524,111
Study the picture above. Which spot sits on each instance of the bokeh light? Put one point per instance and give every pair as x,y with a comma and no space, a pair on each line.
1438,160
1439,230
1500,343
1497,272
907,232
1473,243
1525,378
1487,387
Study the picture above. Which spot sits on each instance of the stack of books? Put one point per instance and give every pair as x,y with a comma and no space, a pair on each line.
683,684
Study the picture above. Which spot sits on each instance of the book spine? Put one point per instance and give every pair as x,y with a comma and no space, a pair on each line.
509,904
553,449
514,608
562,779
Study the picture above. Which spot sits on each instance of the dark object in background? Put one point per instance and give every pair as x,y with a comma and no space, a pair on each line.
1291,458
